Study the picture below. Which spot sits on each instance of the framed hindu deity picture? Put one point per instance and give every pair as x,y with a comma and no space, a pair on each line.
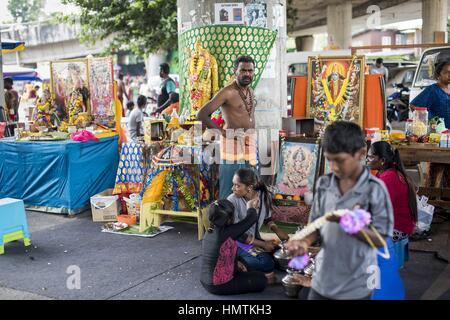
335,89
67,77
298,167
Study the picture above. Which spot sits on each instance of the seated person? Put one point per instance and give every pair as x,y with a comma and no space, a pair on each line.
130,107
136,119
253,251
402,192
219,271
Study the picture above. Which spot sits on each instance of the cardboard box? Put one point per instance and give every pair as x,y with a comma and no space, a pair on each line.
105,207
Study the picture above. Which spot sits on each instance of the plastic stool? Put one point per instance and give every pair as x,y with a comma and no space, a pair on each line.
401,252
13,222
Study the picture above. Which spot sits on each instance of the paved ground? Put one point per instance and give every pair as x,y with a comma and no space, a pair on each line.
124,267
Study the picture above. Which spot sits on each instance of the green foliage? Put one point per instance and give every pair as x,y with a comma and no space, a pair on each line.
26,10
448,28
142,26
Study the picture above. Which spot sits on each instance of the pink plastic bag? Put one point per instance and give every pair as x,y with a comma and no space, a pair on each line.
2,129
83,136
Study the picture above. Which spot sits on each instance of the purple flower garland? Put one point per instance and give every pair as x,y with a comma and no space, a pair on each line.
354,221
299,263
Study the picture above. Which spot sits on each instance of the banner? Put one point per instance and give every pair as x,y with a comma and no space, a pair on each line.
101,86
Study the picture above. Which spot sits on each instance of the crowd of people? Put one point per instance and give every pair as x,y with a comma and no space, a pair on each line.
16,97
166,98
236,259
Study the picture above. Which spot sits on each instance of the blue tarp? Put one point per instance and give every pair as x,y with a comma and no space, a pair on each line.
57,174
18,73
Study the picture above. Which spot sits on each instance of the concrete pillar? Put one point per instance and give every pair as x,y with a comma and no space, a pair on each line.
418,39
153,61
304,43
339,25
271,91
434,16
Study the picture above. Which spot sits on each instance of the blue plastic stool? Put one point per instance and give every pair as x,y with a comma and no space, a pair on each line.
401,252
13,222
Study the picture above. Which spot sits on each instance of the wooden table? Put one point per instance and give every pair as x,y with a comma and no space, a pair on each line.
433,154
422,152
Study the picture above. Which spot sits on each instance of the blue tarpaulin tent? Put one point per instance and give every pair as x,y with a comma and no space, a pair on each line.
20,73
57,176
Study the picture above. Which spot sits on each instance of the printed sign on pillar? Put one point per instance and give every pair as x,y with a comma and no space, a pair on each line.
229,13
256,15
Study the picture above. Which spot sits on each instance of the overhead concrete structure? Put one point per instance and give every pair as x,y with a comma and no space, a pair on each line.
339,24
47,42
435,15
311,16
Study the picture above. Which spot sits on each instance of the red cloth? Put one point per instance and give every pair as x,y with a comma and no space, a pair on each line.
373,102
299,96
2,129
399,193
83,136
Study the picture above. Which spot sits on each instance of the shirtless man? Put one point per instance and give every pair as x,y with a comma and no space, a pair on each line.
238,110
11,99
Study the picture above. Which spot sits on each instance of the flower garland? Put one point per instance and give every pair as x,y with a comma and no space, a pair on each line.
75,104
299,263
353,221
217,118
190,200
44,109
175,206
340,96
203,80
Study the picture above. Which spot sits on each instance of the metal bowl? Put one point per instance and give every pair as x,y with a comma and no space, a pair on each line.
290,284
291,290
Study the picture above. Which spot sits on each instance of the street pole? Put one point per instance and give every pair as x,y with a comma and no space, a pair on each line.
2,88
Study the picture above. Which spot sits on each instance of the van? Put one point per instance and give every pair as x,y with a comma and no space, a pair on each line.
297,62
425,69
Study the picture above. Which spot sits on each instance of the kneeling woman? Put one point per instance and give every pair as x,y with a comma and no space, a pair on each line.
253,251
220,274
